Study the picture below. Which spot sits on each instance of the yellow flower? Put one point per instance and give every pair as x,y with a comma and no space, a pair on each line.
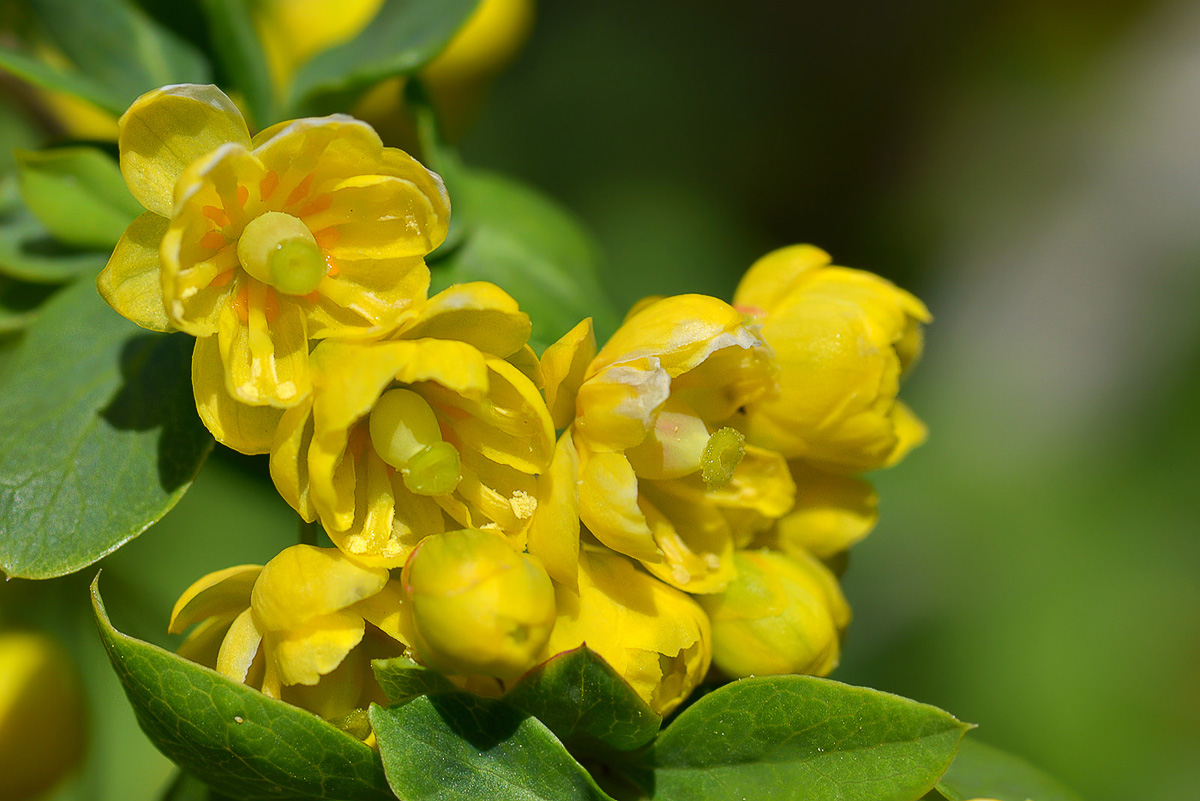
654,636
843,338
310,230
436,422
293,31
782,614
297,628
832,512
478,606
42,717
659,467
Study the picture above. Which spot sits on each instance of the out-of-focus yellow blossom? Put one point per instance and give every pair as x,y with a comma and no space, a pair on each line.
310,230
843,338
832,512
432,423
293,31
42,720
656,637
297,629
478,606
659,467
782,614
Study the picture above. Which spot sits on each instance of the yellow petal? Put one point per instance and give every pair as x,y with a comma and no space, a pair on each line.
289,458
909,431
479,313
223,592
608,506
564,365
553,533
378,217
303,582
167,129
761,482
774,275
694,538
526,360
131,282
367,297
389,611
203,642
617,406
306,653
266,360
239,647
246,429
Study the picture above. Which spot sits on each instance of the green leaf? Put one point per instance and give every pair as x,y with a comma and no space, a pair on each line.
460,746
241,54
981,771
99,435
403,37
19,301
241,742
78,194
56,79
800,737
402,679
117,46
584,701
30,253
534,250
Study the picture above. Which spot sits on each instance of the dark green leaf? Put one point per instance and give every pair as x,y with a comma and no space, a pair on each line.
118,47
29,252
583,701
78,194
99,435
242,56
19,301
980,771
55,79
404,36
402,679
535,251
239,741
460,746
800,737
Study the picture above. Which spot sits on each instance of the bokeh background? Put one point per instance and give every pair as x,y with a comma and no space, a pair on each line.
1030,168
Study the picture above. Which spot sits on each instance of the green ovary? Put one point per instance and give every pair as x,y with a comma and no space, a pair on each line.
279,250
406,435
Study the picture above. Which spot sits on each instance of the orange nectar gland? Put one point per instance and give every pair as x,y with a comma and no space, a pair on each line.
279,250
406,435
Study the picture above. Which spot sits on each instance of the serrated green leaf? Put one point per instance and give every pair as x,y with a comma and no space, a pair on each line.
57,79
584,701
118,47
533,249
241,55
800,737
99,435
78,194
403,37
981,771
239,741
460,746
402,679
19,302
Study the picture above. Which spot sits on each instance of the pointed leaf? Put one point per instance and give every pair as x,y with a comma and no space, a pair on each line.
239,741
584,701
460,746
980,771
800,737
57,79
99,435
402,679
78,194
241,54
29,252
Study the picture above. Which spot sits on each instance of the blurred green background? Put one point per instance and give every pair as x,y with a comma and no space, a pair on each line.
1032,171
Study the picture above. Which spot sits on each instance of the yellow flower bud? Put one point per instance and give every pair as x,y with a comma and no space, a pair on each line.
654,636
842,339
479,607
780,615
42,722
832,512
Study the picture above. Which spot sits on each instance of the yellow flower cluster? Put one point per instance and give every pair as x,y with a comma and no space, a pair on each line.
704,473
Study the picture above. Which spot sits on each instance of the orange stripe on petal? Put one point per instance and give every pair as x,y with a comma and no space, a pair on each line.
327,238
213,240
334,269
300,191
241,303
268,185
216,214
243,195
223,279
318,205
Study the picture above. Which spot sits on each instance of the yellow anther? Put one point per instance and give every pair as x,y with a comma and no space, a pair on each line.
406,435
278,249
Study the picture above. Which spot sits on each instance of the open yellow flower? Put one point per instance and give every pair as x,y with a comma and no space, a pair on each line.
654,636
303,628
843,338
659,466
436,423
309,230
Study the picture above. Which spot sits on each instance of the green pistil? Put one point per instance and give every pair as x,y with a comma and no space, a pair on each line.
722,454
434,471
279,250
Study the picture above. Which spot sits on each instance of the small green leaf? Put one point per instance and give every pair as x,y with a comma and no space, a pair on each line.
19,301
800,737
56,79
534,250
584,701
241,54
980,771
99,435
402,679
78,194
403,37
460,746
241,742
29,252
117,46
